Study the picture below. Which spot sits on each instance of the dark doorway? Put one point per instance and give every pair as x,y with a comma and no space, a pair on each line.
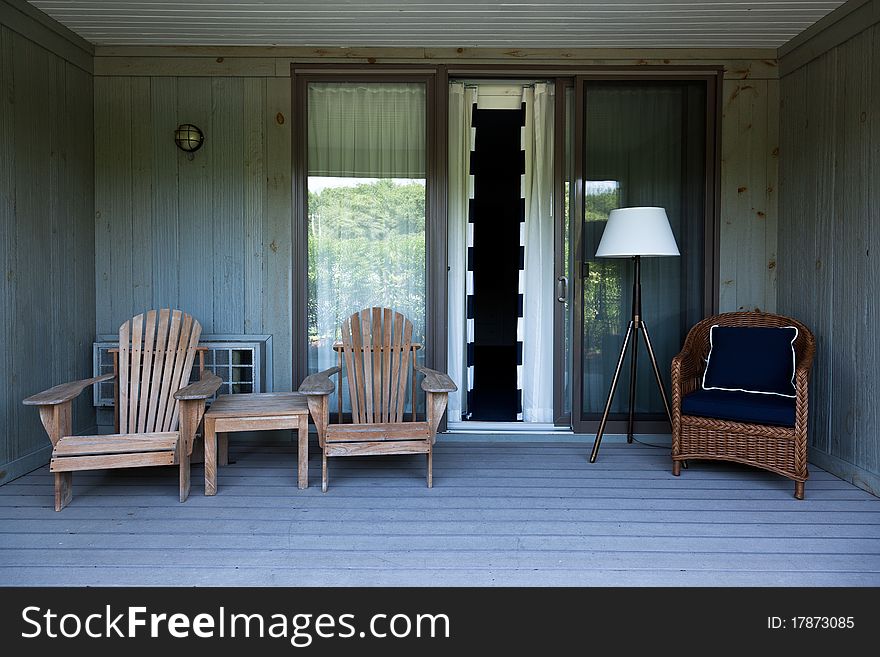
496,164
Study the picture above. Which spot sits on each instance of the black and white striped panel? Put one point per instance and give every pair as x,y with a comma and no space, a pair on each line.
469,275
521,285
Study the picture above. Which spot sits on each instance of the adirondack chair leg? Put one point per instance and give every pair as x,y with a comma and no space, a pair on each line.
184,470
191,412
431,466
63,489
436,403
58,422
324,472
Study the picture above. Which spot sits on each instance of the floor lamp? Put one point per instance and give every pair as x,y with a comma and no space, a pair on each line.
634,233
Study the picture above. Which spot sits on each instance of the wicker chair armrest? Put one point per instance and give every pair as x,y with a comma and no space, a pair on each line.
686,365
802,398
319,383
805,360
686,368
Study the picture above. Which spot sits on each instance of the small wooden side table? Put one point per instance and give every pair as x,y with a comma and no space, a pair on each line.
256,412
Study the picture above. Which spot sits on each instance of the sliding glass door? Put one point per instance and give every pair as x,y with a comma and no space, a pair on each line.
640,143
370,227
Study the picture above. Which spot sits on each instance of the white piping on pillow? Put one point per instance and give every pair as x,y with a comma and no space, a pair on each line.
756,392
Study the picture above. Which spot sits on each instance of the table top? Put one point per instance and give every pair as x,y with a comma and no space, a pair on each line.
258,405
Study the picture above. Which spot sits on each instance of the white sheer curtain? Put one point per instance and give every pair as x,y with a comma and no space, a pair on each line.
538,295
461,102
372,130
366,207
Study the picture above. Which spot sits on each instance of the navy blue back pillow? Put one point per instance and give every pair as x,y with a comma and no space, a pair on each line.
751,359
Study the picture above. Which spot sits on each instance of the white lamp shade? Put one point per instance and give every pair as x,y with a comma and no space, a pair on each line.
637,232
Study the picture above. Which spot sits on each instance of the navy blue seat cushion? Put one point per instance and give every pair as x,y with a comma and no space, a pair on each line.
751,359
740,407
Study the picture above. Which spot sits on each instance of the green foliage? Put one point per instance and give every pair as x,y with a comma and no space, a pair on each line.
371,210
602,287
366,248
597,207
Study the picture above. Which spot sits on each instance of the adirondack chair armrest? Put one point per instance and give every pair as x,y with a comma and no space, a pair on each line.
436,381
201,389
65,392
192,408
319,383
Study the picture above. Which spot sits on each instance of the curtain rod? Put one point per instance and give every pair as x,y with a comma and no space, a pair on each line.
497,82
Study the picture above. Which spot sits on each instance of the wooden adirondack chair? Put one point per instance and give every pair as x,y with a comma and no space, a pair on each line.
155,361
377,349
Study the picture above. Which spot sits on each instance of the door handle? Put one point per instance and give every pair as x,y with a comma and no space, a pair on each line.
562,289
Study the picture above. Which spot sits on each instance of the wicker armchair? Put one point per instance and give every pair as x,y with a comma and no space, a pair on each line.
780,449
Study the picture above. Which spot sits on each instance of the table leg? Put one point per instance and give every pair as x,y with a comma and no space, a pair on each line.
210,457
223,448
303,456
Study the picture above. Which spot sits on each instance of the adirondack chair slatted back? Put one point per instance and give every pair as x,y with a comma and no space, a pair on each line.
378,353
156,354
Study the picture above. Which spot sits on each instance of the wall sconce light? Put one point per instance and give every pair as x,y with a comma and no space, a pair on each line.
188,138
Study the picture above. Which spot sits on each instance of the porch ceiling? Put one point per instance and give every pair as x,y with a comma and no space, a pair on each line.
440,23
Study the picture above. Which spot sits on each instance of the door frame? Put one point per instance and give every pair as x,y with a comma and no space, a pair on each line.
713,76
561,267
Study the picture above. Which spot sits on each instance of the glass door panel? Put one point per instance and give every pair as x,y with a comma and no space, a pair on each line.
644,144
366,208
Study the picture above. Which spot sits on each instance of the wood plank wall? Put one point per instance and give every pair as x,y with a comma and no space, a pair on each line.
228,209
208,231
47,245
829,275
749,172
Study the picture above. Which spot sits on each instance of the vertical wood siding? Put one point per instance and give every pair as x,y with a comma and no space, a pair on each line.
210,232
47,247
277,256
829,231
749,165
194,190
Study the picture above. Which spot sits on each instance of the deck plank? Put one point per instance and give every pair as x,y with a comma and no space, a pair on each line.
493,518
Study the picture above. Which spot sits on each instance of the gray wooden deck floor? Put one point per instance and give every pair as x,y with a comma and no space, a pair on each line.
499,514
